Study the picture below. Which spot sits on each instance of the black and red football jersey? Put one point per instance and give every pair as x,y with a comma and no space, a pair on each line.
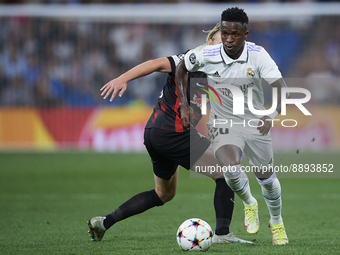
166,114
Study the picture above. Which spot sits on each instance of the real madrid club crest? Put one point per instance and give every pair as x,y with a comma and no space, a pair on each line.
250,73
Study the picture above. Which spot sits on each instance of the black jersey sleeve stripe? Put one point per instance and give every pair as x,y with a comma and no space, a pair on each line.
173,65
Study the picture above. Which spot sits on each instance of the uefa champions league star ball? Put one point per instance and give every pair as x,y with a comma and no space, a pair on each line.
194,235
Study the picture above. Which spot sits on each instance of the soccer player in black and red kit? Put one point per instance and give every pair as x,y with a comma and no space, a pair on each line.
169,146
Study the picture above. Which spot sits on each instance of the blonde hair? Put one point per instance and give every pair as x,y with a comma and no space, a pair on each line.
212,32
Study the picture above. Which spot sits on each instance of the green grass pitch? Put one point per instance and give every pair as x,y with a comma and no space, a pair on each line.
46,199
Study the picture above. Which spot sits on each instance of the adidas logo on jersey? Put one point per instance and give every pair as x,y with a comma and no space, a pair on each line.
216,74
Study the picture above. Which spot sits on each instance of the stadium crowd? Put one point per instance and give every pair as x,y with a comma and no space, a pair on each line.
50,63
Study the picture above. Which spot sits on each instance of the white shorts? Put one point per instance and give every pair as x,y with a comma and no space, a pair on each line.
255,147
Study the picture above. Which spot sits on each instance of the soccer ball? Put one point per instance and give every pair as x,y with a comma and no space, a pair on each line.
194,235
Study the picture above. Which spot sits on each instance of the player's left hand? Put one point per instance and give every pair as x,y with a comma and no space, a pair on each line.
265,128
114,86
185,111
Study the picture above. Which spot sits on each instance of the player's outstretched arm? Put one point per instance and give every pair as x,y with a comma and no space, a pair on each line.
280,83
119,84
181,78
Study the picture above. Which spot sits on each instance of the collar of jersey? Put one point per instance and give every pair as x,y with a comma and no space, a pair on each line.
228,60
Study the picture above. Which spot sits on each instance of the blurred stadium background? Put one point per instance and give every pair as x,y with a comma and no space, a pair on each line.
56,55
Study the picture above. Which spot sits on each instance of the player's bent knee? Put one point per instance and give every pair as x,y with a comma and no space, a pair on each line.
228,162
262,175
166,196
228,155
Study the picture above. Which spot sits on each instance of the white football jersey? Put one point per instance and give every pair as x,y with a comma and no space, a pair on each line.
248,70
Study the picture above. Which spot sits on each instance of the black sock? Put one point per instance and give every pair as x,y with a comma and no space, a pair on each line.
135,205
224,206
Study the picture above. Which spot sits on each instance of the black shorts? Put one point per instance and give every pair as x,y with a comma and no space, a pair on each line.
168,149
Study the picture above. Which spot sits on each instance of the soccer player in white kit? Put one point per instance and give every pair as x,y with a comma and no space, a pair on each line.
242,64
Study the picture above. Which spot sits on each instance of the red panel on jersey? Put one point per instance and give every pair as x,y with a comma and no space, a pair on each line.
178,125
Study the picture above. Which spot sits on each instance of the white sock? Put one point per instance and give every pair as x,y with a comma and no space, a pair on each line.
271,191
239,183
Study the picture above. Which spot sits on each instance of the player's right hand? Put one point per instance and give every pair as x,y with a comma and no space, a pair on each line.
185,116
264,126
113,86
